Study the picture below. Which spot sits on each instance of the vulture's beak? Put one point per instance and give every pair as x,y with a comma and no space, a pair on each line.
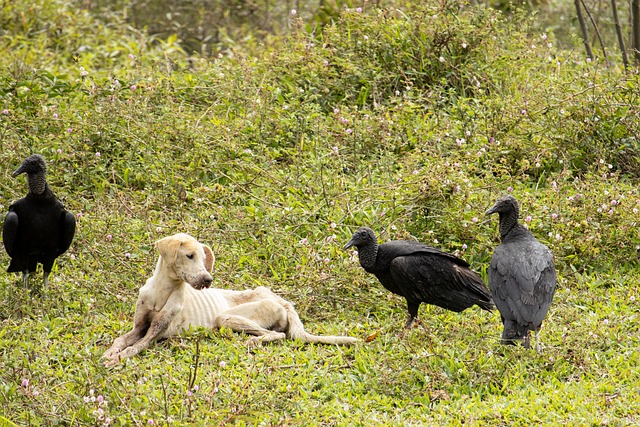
493,210
349,244
18,171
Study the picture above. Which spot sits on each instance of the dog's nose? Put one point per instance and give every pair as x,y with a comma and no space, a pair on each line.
207,280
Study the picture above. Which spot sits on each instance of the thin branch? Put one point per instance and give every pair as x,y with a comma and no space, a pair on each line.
595,27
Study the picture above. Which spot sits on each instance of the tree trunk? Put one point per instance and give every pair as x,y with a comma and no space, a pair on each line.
616,20
583,27
635,25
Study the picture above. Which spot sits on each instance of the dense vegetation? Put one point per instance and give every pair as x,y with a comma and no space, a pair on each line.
412,122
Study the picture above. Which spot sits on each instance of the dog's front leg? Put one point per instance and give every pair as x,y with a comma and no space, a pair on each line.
159,324
141,322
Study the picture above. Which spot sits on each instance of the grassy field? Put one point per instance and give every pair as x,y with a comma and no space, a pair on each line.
273,153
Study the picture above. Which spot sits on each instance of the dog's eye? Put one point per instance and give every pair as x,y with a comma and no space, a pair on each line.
190,256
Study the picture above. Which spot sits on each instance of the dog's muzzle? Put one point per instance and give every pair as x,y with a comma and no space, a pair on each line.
200,282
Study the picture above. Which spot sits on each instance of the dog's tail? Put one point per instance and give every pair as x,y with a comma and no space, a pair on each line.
296,330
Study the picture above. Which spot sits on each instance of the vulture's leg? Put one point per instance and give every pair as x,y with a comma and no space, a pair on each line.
413,315
25,279
537,346
526,341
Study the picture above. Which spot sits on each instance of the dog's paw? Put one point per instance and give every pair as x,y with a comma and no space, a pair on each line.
253,343
112,361
110,358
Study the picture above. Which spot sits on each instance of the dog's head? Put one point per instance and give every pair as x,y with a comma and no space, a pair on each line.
188,259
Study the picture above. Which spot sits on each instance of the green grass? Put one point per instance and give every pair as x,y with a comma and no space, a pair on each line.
273,154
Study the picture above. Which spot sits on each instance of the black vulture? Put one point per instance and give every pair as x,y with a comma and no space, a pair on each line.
420,273
522,275
37,228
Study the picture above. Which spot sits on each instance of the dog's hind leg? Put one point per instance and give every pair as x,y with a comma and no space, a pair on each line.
265,319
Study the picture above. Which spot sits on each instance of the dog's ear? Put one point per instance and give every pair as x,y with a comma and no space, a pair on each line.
168,248
209,258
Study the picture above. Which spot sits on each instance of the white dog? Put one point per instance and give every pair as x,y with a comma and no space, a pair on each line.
174,298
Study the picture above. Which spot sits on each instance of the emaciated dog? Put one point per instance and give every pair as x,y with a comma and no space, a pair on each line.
174,298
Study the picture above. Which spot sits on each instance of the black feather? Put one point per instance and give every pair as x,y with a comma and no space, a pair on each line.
522,275
37,228
420,273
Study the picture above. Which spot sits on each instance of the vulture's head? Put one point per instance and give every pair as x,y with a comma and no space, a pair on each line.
31,165
362,237
505,205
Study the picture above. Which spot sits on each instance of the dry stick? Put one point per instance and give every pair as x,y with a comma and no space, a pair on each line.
595,27
583,27
194,373
616,20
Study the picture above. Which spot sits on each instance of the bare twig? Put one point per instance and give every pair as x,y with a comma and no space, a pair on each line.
194,374
595,27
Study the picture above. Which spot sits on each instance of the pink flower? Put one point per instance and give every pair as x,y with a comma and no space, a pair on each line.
509,189
614,202
98,154
464,246
474,219
359,10
55,116
133,87
527,219
554,215
5,111
150,422
109,237
25,382
131,56
222,364
348,131
127,255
